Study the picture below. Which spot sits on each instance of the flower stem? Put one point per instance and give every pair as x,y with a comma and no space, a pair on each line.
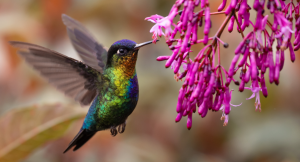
239,25
221,29
216,13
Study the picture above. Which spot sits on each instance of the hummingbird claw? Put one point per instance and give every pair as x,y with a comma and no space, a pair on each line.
121,127
113,131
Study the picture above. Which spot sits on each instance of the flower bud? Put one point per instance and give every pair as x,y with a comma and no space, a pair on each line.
232,65
189,121
231,24
210,85
202,110
162,58
281,60
271,66
171,59
292,53
178,117
263,85
247,75
218,106
177,66
277,68
222,5
227,101
180,99
253,66
216,101
242,86
193,72
241,45
207,21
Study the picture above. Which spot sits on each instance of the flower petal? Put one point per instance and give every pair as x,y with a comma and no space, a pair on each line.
151,20
252,96
236,105
154,28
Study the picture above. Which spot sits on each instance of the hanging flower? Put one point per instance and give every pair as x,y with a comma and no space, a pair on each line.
160,22
225,105
205,81
255,88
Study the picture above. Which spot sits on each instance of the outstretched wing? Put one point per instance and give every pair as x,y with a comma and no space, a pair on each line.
73,77
91,52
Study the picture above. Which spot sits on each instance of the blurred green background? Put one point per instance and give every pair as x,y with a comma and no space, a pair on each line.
151,134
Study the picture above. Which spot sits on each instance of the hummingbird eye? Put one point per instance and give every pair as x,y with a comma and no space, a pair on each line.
122,51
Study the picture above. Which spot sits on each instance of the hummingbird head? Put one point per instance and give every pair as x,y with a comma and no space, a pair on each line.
124,53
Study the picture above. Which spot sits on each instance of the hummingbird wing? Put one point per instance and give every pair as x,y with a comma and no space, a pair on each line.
73,77
91,52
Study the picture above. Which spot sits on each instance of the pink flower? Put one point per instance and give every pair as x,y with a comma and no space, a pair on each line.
225,116
206,81
160,22
261,27
285,31
255,88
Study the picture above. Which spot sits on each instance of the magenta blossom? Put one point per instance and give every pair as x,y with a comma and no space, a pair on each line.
160,22
225,116
255,90
205,81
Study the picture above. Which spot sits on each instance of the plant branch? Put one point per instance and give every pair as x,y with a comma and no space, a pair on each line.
239,25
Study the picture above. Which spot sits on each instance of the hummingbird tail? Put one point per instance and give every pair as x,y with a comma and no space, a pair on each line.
80,139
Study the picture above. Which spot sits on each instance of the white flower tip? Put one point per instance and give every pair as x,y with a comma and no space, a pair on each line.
151,20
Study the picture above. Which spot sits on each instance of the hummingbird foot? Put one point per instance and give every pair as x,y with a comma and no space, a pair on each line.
113,131
121,127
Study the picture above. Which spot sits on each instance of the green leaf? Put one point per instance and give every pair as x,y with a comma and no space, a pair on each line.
24,130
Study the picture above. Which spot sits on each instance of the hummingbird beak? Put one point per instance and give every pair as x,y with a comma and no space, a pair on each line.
138,46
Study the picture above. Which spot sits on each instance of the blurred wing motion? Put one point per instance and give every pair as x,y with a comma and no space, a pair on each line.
91,52
73,77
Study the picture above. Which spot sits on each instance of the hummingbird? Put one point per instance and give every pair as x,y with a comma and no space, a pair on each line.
107,79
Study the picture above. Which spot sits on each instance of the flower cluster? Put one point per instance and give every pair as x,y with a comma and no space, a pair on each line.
206,81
